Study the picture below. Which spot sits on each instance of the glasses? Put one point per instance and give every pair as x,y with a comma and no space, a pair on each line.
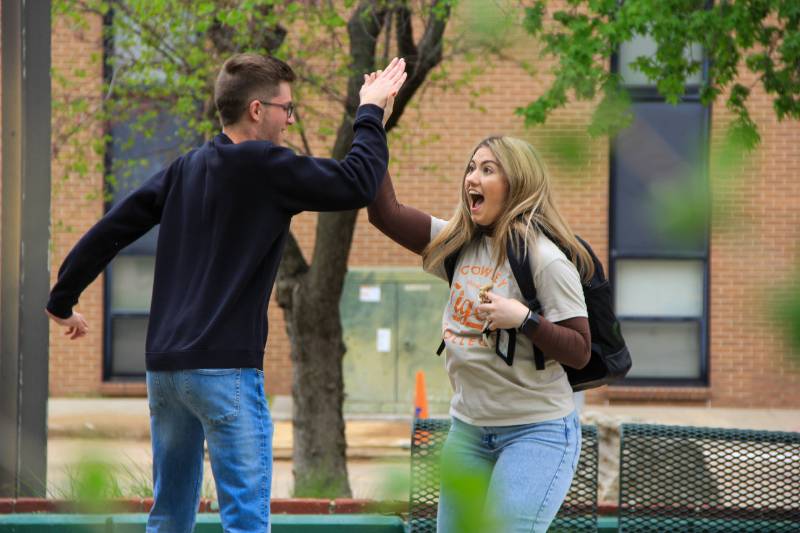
289,108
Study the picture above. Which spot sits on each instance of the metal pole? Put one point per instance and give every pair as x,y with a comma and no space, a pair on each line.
24,274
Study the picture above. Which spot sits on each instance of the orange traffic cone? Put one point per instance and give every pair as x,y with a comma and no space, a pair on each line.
420,398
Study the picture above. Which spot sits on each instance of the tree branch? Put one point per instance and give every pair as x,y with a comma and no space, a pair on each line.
405,34
334,234
153,37
387,38
323,87
224,37
303,137
364,26
294,264
221,37
428,57
292,267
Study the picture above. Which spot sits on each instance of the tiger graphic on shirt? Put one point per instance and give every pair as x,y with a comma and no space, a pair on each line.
469,279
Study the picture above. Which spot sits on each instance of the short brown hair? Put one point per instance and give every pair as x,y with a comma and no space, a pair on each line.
244,77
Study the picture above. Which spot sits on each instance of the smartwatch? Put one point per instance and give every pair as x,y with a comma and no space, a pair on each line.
530,323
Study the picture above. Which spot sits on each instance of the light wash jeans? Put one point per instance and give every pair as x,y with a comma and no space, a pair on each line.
226,407
514,477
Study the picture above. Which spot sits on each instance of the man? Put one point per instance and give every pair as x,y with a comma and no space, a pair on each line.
224,211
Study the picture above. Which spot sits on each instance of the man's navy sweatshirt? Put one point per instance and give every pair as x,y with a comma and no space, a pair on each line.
224,211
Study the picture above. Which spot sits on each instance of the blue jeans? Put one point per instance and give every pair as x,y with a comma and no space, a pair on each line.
227,408
507,478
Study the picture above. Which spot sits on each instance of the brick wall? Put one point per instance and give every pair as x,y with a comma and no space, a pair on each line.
77,203
753,260
752,254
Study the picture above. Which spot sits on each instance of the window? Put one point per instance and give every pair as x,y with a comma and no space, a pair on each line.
660,279
144,138
133,158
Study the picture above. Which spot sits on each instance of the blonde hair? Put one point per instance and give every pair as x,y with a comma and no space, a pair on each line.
529,209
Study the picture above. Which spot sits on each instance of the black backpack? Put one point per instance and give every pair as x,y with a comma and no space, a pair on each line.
610,359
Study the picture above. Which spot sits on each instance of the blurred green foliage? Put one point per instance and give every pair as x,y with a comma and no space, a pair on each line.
93,482
761,35
467,490
746,43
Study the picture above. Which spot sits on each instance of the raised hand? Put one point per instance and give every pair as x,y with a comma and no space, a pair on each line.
387,110
382,86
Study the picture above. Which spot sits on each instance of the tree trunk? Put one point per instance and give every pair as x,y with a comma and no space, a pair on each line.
317,350
319,454
309,295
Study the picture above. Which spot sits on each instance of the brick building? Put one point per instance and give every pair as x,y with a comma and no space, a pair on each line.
697,316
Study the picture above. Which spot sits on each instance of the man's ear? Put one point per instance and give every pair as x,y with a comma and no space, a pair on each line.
254,109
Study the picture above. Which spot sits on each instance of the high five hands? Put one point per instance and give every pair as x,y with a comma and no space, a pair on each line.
382,86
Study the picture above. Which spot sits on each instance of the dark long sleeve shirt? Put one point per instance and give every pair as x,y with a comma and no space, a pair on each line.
224,211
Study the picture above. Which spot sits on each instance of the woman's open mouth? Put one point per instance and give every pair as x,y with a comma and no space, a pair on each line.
475,200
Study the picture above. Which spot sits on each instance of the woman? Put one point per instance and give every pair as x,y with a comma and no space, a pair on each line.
512,425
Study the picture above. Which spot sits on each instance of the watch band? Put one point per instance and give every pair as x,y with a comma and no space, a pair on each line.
530,323
527,316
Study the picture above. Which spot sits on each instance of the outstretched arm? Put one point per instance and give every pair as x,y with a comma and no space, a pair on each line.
405,225
321,184
126,222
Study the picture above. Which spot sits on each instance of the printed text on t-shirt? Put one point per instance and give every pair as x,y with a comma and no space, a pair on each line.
464,310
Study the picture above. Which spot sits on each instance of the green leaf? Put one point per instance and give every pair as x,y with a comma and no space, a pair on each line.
205,8
533,18
583,34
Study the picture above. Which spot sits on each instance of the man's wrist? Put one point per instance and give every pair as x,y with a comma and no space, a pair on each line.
379,106
373,110
62,313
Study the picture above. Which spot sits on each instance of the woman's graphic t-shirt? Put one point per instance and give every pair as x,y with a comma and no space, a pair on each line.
486,391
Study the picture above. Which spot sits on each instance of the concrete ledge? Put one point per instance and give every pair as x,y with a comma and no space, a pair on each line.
288,516
125,389
294,506
208,523
699,395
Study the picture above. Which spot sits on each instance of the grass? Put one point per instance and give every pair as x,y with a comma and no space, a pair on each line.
93,479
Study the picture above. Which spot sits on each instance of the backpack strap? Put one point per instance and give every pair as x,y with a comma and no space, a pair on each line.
441,348
450,269
522,273
599,275
512,344
450,265
521,268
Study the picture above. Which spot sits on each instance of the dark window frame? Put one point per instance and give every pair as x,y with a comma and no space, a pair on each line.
108,321
650,94
109,314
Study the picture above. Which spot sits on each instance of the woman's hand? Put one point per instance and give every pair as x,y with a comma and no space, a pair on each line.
502,313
